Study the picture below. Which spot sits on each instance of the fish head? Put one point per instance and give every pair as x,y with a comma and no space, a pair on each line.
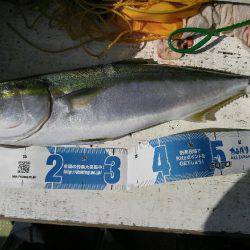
24,108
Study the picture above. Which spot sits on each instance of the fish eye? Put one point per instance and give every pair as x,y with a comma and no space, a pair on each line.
23,110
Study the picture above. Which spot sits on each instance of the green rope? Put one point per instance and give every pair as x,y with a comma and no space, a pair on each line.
208,33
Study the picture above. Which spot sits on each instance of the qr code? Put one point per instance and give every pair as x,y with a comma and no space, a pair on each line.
23,167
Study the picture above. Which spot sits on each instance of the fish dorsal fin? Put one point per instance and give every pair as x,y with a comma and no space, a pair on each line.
209,113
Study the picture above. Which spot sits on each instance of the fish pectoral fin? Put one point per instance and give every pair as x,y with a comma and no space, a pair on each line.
82,98
209,113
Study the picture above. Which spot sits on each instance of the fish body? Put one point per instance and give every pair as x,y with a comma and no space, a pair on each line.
106,102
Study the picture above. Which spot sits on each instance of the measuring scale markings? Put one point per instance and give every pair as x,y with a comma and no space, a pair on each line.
82,168
171,158
188,155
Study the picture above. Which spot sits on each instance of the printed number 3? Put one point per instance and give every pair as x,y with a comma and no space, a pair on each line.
113,163
53,175
218,154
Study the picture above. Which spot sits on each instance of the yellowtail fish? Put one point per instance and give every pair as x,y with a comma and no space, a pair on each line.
108,101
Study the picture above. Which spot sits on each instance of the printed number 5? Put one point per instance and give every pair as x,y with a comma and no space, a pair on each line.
113,163
218,154
53,175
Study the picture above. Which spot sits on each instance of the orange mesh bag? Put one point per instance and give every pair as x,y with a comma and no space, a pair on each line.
159,18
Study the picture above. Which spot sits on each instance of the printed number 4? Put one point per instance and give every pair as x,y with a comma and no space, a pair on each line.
160,161
53,175
112,163
218,154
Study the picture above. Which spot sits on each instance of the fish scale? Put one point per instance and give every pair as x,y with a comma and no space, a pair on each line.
109,101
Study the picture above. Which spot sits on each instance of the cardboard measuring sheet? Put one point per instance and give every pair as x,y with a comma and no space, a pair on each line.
165,159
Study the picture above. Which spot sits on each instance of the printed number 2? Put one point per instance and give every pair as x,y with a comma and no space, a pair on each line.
53,174
113,163
218,154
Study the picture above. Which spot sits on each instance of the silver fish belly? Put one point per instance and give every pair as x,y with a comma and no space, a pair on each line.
107,102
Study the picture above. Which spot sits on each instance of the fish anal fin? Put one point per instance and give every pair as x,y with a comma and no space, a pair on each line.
209,113
198,117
